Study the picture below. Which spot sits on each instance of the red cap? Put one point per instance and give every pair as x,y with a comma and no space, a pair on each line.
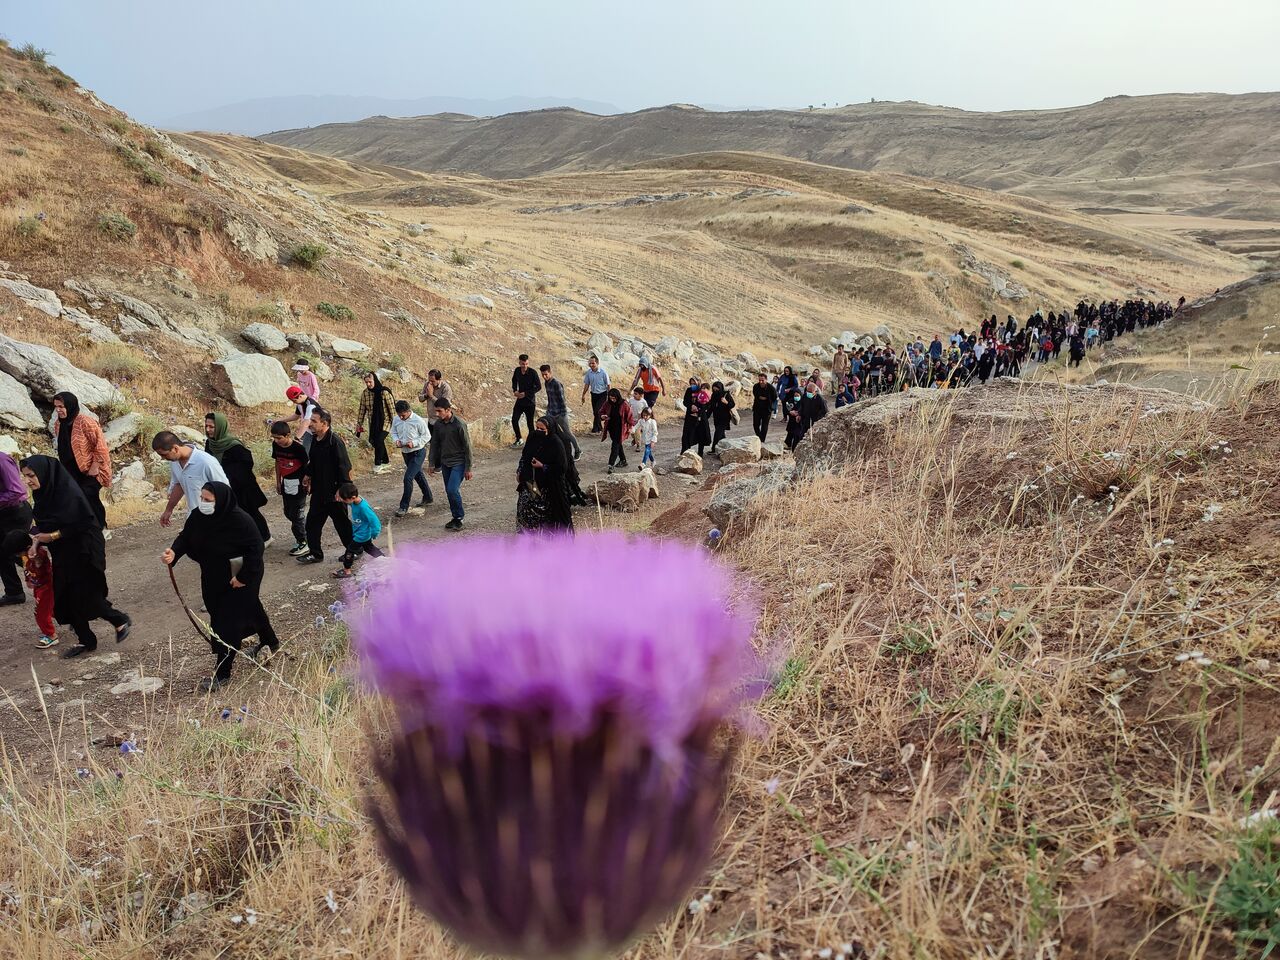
294,393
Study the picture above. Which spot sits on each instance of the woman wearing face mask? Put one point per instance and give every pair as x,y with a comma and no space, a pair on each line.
68,527
543,463
721,412
225,542
813,406
795,426
689,431
375,405
237,463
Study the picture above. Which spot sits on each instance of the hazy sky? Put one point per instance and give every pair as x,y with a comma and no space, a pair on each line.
158,58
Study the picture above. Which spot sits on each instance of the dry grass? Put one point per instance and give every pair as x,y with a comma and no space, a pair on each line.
982,739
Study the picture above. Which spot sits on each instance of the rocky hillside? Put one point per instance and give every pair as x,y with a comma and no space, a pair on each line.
171,275
1208,154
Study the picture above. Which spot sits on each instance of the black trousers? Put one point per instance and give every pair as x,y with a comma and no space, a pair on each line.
718,436
760,422
224,652
617,455
320,512
105,611
356,548
93,493
294,507
378,439
13,518
523,408
255,514
597,401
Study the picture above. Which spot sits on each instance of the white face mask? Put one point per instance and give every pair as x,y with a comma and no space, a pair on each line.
205,507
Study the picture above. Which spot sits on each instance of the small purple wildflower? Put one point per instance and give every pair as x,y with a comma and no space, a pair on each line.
320,622
226,713
557,778
714,534
128,746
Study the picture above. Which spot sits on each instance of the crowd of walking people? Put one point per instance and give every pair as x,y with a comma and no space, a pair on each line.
53,522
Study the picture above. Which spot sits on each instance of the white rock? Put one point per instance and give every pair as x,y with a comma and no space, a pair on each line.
624,491
252,239
46,301
134,682
349,349
122,430
600,344
882,332
46,372
666,347
250,379
774,450
688,463
303,343
478,300
97,332
740,450
9,445
266,337
16,407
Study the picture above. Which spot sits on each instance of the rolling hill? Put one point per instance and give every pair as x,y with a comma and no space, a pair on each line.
1203,154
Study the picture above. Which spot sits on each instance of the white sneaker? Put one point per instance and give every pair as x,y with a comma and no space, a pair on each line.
106,534
268,542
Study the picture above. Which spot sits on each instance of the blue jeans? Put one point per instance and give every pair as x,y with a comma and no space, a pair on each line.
648,454
453,489
413,461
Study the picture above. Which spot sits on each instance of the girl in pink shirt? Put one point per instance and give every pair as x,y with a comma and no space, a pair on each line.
307,380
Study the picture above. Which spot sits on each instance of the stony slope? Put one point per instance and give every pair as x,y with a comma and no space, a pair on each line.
1209,154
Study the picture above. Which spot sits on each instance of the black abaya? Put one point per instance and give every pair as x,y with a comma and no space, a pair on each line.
213,541
550,477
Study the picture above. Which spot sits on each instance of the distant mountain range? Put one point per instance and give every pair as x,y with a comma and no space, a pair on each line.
253,117
1210,154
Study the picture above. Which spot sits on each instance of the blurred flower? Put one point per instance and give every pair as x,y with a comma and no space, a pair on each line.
556,781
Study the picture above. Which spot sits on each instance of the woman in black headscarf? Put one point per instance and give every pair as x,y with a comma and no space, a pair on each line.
225,542
66,524
721,412
689,433
82,451
543,463
237,464
572,479
375,404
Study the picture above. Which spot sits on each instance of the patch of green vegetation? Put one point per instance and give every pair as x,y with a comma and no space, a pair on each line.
156,149
33,54
117,226
18,151
151,177
66,128
118,362
1017,264
308,255
27,227
916,640
460,258
1247,896
986,711
789,677
43,102
115,408
271,312
62,81
132,159
117,125
336,311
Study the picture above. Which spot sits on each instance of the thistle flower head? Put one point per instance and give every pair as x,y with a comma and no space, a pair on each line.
561,762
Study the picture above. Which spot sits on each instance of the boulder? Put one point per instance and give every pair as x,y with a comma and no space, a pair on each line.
188,434
774,450
303,343
46,301
625,491
688,463
348,349
666,347
685,352
882,333
250,379
45,372
97,332
322,370
733,498
387,375
478,300
9,445
848,338
600,344
16,408
122,430
748,360
265,337
740,450
135,682
774,366
252,239
131,483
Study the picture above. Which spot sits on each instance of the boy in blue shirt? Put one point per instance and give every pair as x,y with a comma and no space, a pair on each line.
365,527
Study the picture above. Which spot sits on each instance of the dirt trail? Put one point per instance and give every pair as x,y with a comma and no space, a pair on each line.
163,643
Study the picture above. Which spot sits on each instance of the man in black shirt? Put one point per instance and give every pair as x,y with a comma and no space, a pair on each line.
524,387
328,467
763,396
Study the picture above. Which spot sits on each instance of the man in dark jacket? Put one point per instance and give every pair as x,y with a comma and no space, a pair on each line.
763,396
328,467
524,387
451,456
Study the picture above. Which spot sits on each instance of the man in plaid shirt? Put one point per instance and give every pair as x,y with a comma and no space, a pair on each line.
556,408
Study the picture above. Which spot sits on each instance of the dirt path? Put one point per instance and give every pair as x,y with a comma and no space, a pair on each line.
163,645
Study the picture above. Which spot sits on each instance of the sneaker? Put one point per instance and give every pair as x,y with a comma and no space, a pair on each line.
454,524
76,651
384,468
610,468
45,642
210,684
12,599
342,573
577,455
310,558
401,513
427,502
299,549
122,632
106,534
517,442
268,542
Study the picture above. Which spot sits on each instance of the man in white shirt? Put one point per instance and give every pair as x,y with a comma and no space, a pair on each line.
189,470
412,436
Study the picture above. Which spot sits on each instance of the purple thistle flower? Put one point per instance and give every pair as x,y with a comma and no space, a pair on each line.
560,768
